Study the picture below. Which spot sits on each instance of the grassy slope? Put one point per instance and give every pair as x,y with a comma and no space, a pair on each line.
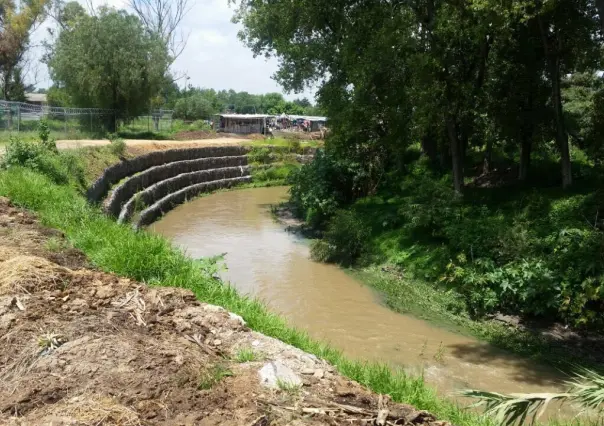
149,258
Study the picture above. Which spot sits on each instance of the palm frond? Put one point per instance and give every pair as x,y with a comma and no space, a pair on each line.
513,408
587,388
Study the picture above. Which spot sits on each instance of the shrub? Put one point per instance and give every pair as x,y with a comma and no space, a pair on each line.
345,239
117,146
318,189
36,156
44,134
260,155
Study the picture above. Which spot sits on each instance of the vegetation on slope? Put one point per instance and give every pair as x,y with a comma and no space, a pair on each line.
151,259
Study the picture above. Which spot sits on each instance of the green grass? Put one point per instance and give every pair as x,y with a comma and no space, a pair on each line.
212,376
246,355
152,259
446,309
288,143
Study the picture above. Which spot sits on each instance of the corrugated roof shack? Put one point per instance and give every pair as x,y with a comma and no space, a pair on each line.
241,123
316,123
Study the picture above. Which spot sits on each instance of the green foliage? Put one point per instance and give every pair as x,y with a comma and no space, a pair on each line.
44,135
210,377
117,146
37,156
260,155
344,241
146,257
319,188
586,389
246,355
89,61
194,107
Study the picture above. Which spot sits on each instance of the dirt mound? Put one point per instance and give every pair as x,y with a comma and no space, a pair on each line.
83,347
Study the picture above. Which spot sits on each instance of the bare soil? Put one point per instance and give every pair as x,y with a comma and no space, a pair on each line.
152,144
82,347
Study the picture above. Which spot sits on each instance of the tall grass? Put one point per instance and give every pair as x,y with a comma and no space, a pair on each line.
149,258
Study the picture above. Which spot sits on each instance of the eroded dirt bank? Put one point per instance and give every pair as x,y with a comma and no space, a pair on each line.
83,347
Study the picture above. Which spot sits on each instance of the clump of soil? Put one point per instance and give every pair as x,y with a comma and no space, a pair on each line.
80,346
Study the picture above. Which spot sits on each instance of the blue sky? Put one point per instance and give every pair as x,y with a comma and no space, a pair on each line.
213,58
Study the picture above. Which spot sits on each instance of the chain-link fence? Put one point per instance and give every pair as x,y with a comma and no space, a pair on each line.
157,121
64,123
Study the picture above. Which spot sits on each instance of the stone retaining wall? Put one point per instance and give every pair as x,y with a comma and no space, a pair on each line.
165,187
125,191
117,172
167,203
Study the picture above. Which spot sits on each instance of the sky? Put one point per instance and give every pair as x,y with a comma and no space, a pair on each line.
213,58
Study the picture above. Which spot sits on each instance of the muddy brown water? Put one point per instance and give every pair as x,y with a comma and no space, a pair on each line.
269,263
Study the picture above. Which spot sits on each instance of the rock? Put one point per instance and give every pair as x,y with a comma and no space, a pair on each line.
256,343
319,374
237,318
308,371
217,342
274,372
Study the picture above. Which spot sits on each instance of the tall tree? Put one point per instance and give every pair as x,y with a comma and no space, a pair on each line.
92,64
17,21
163,18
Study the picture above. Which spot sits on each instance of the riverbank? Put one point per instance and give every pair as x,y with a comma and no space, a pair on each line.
552,344
93,331
143,257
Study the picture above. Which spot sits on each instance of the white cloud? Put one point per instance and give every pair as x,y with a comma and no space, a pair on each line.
214,57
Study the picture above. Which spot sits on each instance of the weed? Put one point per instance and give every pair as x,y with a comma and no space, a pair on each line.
54,244
246,355
288,387
117,146
50,341
212,376
440,353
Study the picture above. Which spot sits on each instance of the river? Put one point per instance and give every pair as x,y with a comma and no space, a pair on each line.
271,264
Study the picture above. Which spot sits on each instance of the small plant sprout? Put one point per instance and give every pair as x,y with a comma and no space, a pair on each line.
54,244
288,387
50,341
210,377
246,355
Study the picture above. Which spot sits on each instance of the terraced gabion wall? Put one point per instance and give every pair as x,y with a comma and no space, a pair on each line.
161,189
117,172
127,189
151,214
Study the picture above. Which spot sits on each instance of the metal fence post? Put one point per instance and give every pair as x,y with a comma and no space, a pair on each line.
18,118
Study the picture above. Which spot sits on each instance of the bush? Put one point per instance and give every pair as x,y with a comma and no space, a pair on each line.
39,157
318,189
117,146
44,134
260,155
344,241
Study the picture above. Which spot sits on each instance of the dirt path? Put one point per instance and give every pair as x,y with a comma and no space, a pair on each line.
71,144
83,347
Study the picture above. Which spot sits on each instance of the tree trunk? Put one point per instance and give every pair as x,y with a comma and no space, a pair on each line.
456,155
525,156
430,147
488,153
561,135
553,61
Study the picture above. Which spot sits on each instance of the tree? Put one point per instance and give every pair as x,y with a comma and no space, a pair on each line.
109,61
162,18
17,21
194,107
